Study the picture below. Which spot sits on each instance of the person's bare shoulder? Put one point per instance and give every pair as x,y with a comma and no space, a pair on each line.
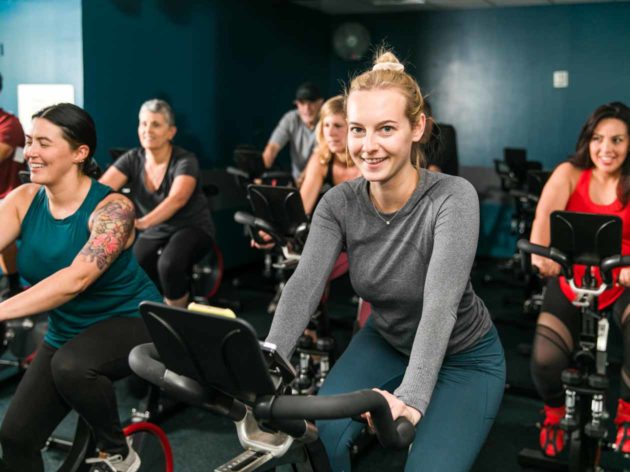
566,174
21,197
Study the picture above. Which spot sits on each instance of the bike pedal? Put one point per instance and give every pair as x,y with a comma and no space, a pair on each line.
246,461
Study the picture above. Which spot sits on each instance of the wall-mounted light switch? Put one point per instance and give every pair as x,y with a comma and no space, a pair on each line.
561,79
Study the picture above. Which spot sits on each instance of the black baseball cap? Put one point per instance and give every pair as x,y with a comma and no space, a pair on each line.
308,91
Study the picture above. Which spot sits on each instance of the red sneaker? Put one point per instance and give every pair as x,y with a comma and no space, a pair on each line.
551,435
622,442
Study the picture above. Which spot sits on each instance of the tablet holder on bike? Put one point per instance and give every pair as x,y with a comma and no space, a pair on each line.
279,212
592,240
250,167
219,364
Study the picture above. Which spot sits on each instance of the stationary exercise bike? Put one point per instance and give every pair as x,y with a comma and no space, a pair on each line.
594,241
217,363
278,211
515,173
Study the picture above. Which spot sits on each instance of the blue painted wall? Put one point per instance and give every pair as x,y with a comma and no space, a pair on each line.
36,49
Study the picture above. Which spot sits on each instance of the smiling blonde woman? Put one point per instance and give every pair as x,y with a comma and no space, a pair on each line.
429,346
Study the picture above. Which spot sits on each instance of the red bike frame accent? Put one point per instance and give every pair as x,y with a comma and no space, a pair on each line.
217,282
161,435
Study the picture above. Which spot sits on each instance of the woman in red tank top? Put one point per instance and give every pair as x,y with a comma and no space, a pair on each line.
596,179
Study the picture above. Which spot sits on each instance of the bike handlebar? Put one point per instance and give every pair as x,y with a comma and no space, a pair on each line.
391,434
278,411
144,361
612,262
606,265
548,252
277,175
257,224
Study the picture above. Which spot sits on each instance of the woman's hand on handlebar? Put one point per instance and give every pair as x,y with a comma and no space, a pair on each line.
141,224
546,267
398,409
266,237
624,277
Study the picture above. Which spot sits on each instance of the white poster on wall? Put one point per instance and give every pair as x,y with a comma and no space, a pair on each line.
34,97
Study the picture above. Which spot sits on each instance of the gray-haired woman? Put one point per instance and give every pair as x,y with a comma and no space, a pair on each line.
174,217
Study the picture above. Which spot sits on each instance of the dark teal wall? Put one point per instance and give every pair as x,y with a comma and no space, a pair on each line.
494,79
489,72
228,68
35,50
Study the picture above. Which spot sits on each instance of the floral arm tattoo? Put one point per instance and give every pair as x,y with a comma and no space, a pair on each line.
112,224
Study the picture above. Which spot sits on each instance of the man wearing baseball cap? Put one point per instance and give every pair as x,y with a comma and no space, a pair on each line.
297,127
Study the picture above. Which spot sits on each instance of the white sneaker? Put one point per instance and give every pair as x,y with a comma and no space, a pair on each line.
115,463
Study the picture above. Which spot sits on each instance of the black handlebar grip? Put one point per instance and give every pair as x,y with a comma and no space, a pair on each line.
398,434
531,248
257,224
238,173
391,435
548,252
244,218
144,361
277,175
406,433
610,263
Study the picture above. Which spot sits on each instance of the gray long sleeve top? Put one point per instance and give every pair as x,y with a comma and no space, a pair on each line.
415,272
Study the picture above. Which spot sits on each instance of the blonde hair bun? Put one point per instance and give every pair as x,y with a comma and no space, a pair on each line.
395,66
386,60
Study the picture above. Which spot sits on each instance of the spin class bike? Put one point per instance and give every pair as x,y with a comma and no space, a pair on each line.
279,212
594,241
217,363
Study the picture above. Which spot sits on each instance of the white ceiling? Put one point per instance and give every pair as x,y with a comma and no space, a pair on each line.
340,7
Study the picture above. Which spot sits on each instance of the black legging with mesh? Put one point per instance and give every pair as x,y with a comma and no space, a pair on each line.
170,270
551,355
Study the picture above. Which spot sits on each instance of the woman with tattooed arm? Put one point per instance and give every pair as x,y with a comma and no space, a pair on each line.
76,236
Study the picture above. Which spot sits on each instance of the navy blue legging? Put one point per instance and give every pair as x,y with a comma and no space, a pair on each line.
463,407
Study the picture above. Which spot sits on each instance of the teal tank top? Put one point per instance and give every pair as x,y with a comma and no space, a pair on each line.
48,245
